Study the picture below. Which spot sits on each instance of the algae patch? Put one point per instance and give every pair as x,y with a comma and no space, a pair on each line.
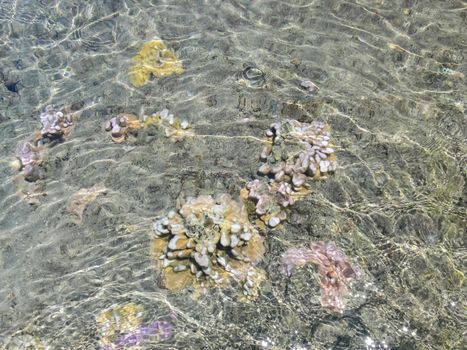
155,59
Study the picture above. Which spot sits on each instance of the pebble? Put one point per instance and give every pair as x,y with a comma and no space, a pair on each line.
309,85
264,169
173,242
164,113
298,180
234,241
274,221
246,236
235,228
225,239
184,125
180,268
279,175
323,166
201,260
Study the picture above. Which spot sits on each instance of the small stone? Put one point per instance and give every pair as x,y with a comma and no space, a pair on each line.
225,239
221,260
249,283
298,180
279,175
193,268
211,247
184,124
327,150
246,236
321,155
323,166
173,242
266,152
201,260
164,113
309,85
312,167
167,262
264,169
235,228
274,221
179,268
234,241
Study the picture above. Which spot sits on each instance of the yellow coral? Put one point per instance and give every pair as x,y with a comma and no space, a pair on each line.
156,59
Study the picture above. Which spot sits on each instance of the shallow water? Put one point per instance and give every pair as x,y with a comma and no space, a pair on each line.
391,78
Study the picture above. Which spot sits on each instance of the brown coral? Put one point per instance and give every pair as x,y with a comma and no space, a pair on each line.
208,240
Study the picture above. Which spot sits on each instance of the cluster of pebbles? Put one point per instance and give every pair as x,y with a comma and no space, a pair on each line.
56,124
294,153
211,239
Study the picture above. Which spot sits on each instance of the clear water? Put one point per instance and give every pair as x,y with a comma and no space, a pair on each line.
391,78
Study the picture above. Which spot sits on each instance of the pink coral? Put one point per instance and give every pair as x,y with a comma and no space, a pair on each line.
334,270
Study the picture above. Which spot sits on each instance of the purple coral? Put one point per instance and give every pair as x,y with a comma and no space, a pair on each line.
161,329
55,122
334,270
30,158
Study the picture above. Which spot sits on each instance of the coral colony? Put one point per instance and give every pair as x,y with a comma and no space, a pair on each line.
209,239
29,159
295,152
56,125
334,271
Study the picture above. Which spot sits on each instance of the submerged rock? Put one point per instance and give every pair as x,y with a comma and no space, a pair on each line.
334,270
208,241
155,59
